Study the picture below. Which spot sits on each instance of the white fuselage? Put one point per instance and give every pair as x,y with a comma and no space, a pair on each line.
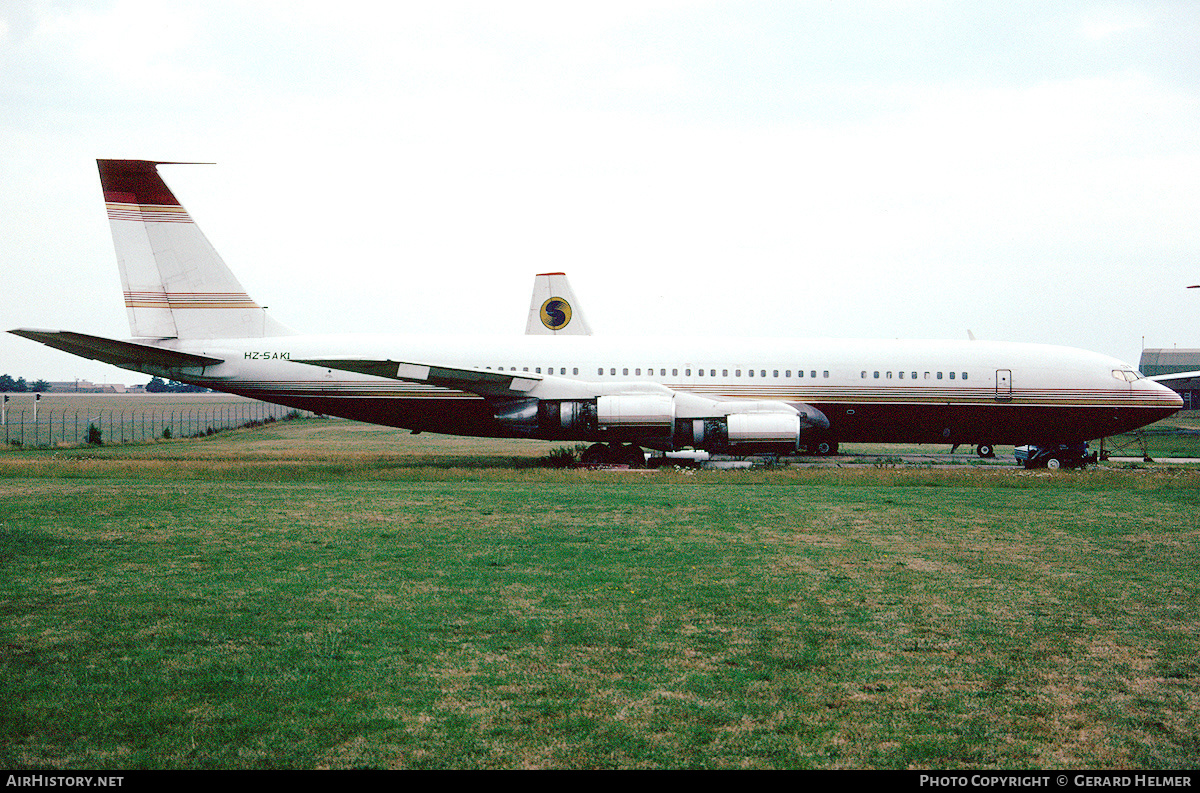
870,390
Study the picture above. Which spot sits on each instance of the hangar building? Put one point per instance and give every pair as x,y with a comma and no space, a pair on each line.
1156,362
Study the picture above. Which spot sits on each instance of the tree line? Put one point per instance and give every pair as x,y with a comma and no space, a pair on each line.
156,386
7,383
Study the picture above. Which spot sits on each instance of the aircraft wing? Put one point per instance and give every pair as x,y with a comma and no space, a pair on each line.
1158,378
126,354
485,382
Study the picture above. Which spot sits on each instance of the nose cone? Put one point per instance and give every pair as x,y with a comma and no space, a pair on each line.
1168,397
1176,400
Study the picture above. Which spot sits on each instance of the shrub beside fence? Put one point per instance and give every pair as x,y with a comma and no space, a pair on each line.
26,427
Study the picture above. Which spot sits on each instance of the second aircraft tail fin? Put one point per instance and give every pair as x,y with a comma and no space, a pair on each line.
176,284
554,310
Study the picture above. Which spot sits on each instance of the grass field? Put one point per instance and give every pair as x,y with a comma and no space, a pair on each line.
323,594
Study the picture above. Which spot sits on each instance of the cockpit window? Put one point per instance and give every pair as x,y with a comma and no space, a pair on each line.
1126,374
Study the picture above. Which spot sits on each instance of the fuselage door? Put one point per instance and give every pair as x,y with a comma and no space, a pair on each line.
1004,385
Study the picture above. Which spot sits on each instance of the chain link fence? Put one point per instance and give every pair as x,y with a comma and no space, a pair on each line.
25,425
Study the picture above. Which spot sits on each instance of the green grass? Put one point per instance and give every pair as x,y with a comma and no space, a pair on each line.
284,598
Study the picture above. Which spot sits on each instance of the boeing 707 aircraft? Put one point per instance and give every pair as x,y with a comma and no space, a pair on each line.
191,321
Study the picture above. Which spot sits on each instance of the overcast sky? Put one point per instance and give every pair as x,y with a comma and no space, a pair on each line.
906,169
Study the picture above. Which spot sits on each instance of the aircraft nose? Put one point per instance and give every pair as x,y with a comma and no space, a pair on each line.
1172,396
1161,394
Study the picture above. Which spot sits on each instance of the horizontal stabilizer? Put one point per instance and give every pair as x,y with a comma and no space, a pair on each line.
485,382
126,354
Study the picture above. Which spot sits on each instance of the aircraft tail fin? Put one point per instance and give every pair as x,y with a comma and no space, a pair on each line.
553,310
176,285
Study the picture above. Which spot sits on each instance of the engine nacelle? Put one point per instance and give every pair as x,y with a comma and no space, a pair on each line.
632,416
547,418
741,432
764,428
647,418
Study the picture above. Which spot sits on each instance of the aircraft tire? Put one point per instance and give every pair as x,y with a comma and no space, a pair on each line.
631,455
1054,463
985,450
597,454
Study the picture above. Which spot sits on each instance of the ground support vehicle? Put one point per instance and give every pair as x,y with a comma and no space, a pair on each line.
1064,455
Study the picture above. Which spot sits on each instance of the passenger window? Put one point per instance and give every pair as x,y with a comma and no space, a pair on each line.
637,372
800,373
901,375
889,375
877,375
939,375
750,372
914,376
775,373
700,372
964,376
827,373
813,373
612,370
674,373
787,373
864,374
625,370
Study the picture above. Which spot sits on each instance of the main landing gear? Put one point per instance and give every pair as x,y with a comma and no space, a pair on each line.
984,450
614,454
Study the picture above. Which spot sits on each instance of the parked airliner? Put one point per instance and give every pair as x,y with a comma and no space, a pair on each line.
191,321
